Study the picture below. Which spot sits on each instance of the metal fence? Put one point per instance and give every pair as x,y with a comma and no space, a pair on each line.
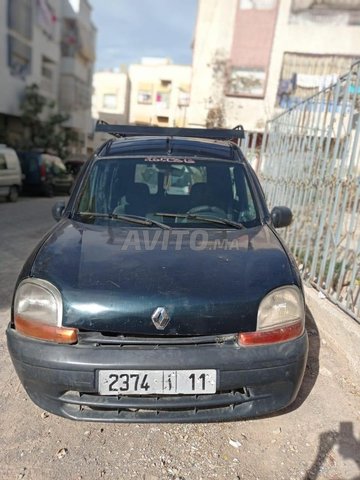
309,160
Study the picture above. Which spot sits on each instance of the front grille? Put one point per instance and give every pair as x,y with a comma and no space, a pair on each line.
85,406
108,339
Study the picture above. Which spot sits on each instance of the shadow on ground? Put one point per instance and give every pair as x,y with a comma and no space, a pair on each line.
348,448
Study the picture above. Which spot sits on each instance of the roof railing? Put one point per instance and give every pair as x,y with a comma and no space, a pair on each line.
120,131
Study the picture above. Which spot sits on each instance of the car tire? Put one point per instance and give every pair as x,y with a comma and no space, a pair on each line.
13,194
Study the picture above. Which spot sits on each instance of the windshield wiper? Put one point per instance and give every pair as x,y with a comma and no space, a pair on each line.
203,218
127,218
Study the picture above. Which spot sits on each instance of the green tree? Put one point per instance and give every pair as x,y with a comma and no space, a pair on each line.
44,126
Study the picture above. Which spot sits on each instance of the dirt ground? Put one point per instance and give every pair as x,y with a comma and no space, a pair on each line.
318,437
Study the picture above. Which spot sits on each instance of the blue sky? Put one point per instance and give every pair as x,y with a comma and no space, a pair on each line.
131,29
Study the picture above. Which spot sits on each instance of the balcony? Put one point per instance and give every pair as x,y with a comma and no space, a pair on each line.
74,94
78,39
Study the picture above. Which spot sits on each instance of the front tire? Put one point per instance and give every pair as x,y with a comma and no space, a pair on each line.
13,194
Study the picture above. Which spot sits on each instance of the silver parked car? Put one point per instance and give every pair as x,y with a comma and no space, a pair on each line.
10,174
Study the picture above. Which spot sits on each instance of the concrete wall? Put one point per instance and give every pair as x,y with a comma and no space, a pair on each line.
213,38
12,86
76,71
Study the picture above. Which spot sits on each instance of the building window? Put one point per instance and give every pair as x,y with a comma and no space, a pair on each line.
145,94
166,83
162,120
144,97
163,99
329,12
19,57
20,17
184,96
163,93
46,18
20,27
298,5
248,82
303,75
70,39
109,101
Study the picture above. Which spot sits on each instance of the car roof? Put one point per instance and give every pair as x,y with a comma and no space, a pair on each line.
171,146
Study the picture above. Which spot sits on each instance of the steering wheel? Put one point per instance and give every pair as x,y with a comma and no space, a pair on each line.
211,210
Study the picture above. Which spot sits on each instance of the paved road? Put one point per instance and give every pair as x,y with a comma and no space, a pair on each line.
22,224
316,438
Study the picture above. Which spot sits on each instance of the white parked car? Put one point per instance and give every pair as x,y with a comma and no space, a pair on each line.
10,174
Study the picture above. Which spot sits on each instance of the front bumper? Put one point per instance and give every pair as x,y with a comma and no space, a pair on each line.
252,381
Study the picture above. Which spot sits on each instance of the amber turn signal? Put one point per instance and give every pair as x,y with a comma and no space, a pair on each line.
46,332
277,335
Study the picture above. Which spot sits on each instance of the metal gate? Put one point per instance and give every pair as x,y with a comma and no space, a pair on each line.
310,161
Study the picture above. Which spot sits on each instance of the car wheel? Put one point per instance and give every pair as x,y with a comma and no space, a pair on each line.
13,194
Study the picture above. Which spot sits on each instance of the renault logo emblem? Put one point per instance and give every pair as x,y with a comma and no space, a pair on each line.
160,318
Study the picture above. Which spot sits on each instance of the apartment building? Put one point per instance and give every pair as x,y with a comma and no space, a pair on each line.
111,98
49,43
254,58
78,35
160,93
29,53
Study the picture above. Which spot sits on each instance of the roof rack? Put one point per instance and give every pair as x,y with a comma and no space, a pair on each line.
135,131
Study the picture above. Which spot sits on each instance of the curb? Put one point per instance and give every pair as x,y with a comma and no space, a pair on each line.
339,329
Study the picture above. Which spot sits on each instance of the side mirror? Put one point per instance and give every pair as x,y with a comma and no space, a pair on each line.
281,217
58,210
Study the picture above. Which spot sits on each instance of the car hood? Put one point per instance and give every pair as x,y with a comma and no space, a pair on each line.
113,278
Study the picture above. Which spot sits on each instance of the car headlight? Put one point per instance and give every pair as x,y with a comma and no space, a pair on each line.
38,310
281,317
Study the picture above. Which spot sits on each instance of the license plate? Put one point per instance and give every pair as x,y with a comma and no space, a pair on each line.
150,382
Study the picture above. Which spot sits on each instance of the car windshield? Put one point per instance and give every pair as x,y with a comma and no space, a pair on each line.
184,191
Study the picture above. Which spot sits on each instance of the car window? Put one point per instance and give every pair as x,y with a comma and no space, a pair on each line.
135,186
